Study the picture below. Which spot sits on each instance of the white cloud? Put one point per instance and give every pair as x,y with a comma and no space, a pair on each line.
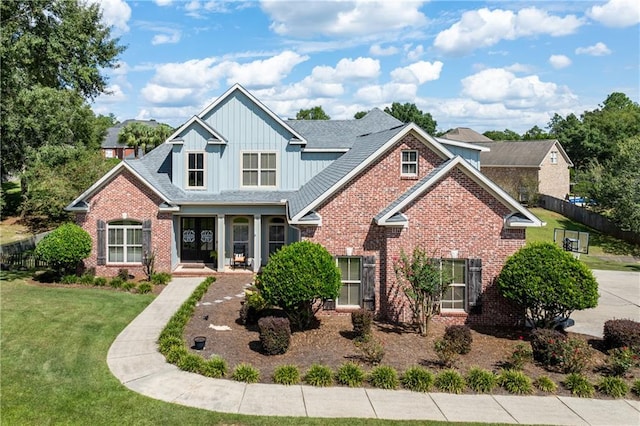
518,67
379,95
166,36
378,50
163,2
559,61
113,94
415,53
192,73
348,69
344,18
417,73
263,73
115,14
616,13
598,49
172,96
484,28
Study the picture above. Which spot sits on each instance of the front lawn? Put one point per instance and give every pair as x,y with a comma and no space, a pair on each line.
54,371
605,252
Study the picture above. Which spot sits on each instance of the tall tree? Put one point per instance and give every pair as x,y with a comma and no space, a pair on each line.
358,115
504,135
410,113
315,113
535,133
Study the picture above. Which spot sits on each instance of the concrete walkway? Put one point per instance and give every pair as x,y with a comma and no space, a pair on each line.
134,359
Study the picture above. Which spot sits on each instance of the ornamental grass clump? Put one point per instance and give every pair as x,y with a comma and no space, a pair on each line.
579,385
191,363
516,382
481,381
319,375
350,374
450,381
215,367
545,384
286,375
417,379
384,377
614,387
247,373
635,387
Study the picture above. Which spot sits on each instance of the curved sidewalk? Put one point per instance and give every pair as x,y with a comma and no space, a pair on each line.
134,359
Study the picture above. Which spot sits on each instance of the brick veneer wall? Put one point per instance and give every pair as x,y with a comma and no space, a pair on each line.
512,178
125,194
555,179
455,214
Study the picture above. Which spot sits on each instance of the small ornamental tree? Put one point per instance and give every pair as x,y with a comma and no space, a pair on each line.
548,283
423,282
298,276
64,248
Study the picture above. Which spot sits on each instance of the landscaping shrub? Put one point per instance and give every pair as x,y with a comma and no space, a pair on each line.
123,274
544,344
286,375
100,281
350,374
417,379
64,248
245,373
545,384
252,307
296,277
521,355
614,387
144,287
116,282
621,360
516,382
460,338
191,363
361,321
579,385
371,349
548,282
481,380
275,335
86,279
160,278
384,377
166,343
215,367
449,381
575,355
128,285
446,351
635,388
619,333
175,354
319,375
69,279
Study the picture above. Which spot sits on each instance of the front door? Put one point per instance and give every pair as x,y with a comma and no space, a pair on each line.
198,239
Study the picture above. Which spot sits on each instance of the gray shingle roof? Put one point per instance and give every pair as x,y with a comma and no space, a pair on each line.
342,134
516,153
111,138
363,147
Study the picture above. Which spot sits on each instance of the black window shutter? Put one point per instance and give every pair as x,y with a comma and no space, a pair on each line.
146,237
101,243
368,283
474,285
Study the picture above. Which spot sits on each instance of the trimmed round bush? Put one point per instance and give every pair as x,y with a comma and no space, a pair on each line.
350,374
64,248
620,333
275,335
319,375
296,277
384,377
286,375
361,321
245,373
481,381
450,381
460,338
417,379
548,283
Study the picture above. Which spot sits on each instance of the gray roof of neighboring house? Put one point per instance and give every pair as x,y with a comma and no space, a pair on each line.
518,153
465,134
111,138
363,147
342,134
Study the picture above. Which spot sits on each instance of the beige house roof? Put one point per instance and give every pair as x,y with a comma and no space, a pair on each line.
465,134
519,153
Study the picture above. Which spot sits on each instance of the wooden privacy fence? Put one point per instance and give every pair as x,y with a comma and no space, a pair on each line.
587,217
19,254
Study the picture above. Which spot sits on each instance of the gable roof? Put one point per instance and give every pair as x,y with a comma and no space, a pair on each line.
110,140
465,134
215,136
519,153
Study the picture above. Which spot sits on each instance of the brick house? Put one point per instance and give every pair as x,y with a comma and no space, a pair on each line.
238,179
112,148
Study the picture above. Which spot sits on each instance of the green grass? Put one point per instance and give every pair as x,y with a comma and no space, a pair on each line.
54,371
603,249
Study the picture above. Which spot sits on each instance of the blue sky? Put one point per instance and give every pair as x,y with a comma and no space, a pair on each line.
487,65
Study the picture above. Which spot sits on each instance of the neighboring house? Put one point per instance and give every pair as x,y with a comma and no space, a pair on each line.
465,134
111,148
236,178
527,168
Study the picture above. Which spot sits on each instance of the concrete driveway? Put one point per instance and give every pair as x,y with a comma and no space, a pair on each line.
619,299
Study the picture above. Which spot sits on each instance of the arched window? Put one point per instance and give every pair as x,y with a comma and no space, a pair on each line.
124,241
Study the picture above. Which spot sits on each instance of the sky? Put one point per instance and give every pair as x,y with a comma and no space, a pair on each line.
487,65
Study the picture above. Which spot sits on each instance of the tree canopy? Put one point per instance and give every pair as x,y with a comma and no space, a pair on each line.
504,135
315,113
409,112
141,135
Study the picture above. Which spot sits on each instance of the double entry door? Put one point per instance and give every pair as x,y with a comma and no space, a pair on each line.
197,239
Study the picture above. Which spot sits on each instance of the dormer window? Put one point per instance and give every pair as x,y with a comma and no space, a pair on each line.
259,169
409,163
195,170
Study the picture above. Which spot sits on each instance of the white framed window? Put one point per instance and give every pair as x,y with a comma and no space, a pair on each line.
195,170
259,169
108,153
124,241
554,157
455,296
409,163
351,277
276,234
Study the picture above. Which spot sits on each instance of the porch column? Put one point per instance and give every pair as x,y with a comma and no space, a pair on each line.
257,243
221,240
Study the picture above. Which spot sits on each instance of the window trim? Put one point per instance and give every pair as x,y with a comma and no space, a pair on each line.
274,221
132,225
404,162
188,170
259,170
464,285
343,282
